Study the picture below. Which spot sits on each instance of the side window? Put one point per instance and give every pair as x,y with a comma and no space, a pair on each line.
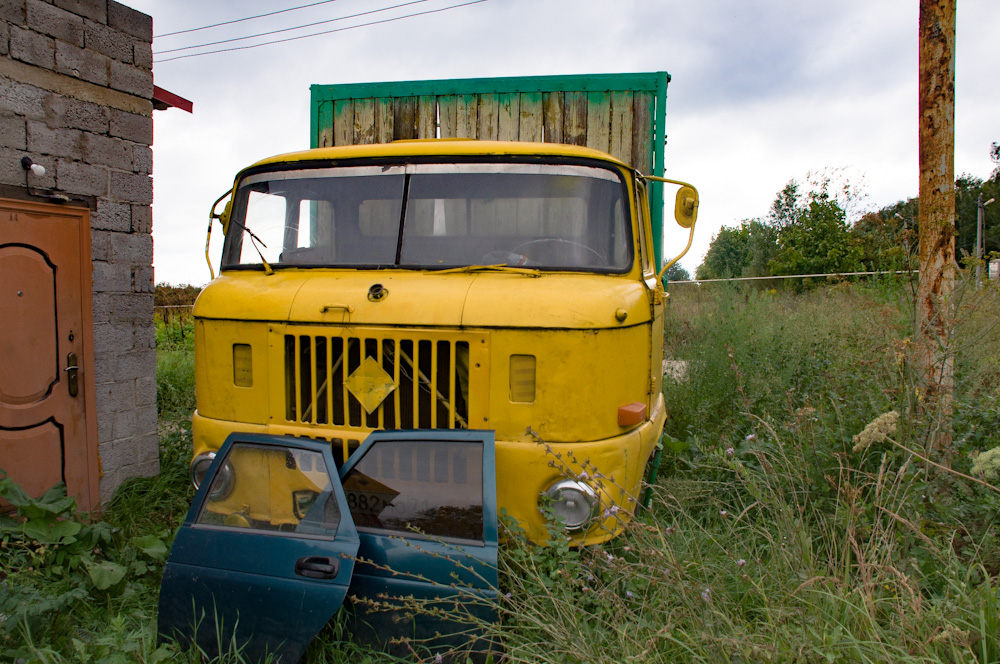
642,217
433,488
272,489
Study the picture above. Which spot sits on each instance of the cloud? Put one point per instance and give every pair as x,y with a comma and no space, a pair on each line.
761,91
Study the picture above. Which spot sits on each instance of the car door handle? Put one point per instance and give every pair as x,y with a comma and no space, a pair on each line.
317,567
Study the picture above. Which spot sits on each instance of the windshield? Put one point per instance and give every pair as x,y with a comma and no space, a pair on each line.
432,216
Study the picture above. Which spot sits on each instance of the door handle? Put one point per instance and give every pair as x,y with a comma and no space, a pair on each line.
317,567
71,374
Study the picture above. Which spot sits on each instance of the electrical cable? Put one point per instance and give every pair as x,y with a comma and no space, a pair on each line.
298,27
240,20
325,32
795,276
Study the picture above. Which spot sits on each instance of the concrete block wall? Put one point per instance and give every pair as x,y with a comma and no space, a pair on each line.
76,85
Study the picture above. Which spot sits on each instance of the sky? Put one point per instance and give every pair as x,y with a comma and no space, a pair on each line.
761,92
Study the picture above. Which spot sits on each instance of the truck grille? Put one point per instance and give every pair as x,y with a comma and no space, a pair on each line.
412,381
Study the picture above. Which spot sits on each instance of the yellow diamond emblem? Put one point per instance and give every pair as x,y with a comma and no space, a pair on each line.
370,384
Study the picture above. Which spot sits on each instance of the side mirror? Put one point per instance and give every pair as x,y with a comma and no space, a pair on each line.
685,212
224,215
686,207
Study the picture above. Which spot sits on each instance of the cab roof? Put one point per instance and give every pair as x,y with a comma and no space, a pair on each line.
443,147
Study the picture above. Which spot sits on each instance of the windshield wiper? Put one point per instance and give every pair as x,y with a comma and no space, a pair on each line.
254,241
528,272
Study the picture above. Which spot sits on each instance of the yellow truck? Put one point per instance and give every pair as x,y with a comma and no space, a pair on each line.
453,255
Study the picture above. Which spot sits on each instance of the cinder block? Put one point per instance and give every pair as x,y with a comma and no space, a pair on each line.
131,21
111,216
113,152
134,80
122,396
142,219
12,11
13,131
132,308
145,337
142,55
101,307
100,245
80,63
146,420
21,98
142,159
105,430
131,365
55,22
57,142
79,178
142,279
133,249
131,187
145,390
96,10
104,366
133,127
75,114
113,337
124,427
32,47
112,277
147,468
148,446
100,38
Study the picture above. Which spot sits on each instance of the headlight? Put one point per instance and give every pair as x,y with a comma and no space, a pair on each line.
224,479
573,502
199,466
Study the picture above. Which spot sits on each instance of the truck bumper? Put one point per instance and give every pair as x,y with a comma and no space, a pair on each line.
613,467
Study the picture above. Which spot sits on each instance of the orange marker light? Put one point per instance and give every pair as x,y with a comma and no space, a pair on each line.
631,414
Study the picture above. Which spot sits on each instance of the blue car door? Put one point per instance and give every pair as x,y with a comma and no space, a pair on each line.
424,504
266,554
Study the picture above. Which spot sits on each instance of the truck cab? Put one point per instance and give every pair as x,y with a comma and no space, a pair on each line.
445,284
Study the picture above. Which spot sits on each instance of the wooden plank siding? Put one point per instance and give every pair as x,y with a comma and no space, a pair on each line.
612,113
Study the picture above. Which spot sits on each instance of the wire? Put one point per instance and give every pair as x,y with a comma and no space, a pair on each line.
796,276
240,20
298,27
325,32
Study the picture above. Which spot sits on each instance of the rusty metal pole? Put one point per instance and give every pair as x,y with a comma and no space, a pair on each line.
936,218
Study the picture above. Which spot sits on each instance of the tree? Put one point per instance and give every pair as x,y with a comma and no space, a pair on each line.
677,273
726,256
819,241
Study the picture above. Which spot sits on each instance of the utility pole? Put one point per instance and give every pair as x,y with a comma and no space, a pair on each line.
936,218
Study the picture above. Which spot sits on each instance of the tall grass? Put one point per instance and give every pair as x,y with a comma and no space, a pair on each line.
776,533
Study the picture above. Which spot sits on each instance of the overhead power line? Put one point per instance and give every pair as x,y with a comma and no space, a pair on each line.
298,27
324,32
240,20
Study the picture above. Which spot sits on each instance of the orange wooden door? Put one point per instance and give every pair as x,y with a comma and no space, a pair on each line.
48,424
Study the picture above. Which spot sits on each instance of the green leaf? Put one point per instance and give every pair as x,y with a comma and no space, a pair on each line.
48,530
106,574
152,546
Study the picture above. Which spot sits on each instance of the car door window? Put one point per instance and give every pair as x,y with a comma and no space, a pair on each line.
272,489
419,488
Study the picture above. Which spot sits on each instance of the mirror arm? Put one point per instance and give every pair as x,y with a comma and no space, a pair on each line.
663,270
212,215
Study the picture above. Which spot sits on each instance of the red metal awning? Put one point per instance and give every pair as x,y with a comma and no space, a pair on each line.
164,99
